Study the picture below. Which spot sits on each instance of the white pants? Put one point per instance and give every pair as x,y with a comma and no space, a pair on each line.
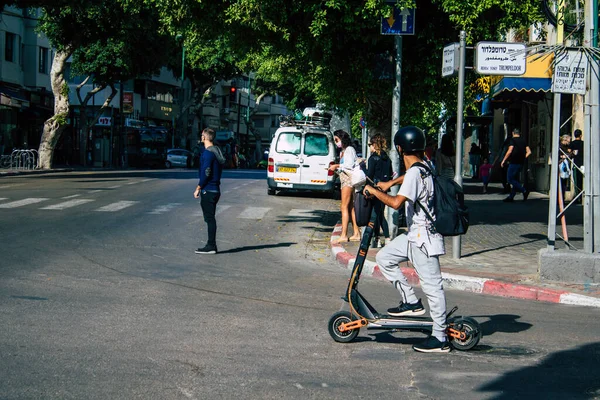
430,275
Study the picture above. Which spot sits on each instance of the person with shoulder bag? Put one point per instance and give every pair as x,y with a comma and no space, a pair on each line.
379,169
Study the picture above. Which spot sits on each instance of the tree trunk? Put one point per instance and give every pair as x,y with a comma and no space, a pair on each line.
55,125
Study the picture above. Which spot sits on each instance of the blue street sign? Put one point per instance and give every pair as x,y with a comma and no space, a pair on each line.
401,22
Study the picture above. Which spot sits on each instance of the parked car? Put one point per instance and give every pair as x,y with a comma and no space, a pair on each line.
299,157
179,158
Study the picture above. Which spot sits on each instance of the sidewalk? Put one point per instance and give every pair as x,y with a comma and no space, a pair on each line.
499,252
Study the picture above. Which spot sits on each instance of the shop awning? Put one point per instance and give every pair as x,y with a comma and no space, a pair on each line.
12,98
518,84
530,86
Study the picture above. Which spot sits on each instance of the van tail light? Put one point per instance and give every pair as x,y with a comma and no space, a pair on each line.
329,171
271,167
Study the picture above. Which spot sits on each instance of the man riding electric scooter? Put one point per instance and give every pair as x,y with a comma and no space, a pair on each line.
422,245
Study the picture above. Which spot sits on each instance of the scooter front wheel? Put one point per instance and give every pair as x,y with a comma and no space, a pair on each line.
337,319
470,328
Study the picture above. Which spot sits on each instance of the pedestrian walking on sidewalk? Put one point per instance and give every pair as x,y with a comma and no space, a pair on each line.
485,171
379,169
209,187
421,245
516,155
348,159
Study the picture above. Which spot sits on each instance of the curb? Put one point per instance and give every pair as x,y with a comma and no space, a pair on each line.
467,283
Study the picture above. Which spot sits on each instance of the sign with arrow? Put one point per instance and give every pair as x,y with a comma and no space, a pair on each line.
401,22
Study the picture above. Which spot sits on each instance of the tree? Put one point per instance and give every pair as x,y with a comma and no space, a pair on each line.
110,42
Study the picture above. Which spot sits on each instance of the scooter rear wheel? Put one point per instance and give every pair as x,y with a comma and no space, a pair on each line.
337,319
471,328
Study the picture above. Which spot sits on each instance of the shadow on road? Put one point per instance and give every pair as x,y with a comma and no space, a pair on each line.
569,374
261,247
535,237
502,323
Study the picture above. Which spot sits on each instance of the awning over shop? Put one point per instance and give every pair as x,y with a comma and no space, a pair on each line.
12,98
530,86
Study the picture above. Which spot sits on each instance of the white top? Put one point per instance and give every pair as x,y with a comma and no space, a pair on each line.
349,158
420,187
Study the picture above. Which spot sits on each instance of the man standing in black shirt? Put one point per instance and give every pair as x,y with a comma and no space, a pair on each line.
518,152
576,148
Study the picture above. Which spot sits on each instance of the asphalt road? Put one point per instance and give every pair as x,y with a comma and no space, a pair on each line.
102,297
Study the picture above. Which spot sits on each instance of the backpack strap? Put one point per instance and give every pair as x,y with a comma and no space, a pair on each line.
430,173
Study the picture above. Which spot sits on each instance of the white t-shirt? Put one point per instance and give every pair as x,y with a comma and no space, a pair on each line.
349,158
420,187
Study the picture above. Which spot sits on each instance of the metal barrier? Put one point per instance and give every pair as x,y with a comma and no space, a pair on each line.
21,159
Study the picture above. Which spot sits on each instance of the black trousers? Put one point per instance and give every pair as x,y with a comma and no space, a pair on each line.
208,201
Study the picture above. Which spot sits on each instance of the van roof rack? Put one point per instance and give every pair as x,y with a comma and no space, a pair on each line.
320,121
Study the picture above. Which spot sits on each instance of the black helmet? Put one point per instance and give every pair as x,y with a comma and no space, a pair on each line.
410,138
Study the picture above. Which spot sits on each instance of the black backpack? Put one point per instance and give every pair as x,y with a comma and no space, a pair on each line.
451,214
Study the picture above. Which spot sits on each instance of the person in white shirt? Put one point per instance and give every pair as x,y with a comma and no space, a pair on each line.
421,245
348,159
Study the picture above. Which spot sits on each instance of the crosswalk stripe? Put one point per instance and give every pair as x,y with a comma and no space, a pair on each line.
147,180
24,202
70,197
297,212
66,204
114,187
220,209
164,208
11,185
254,212
3,198
132,183
119,205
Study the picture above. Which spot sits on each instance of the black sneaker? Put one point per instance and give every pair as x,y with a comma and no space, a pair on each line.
207,250
508,200
432,345
407,309
525,195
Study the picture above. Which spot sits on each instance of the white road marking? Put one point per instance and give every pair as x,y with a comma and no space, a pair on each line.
132,183
24,202
66,204
3,198
119,205
95,191
114,187
296,212
164,208
146,180
254,212
220,209
11,185
70,197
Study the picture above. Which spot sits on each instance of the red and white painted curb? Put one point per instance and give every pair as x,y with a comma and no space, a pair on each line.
468,283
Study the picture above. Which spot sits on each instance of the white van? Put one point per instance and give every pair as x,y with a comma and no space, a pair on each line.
299,158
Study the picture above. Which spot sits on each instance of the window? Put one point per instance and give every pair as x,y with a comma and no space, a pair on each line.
43,66
289,143
316,144
21,55
9,47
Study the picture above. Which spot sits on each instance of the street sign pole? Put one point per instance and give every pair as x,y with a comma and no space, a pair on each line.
456,240
392,215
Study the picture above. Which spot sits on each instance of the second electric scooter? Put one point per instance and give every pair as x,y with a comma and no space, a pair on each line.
464,333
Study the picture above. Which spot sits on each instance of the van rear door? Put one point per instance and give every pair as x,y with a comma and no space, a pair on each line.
316,156
287,168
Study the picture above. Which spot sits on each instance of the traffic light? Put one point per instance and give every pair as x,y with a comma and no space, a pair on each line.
233,95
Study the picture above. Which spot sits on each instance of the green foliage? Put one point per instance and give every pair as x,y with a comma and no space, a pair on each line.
111,40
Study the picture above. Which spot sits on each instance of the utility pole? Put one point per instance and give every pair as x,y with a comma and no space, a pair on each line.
593,136
392,215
